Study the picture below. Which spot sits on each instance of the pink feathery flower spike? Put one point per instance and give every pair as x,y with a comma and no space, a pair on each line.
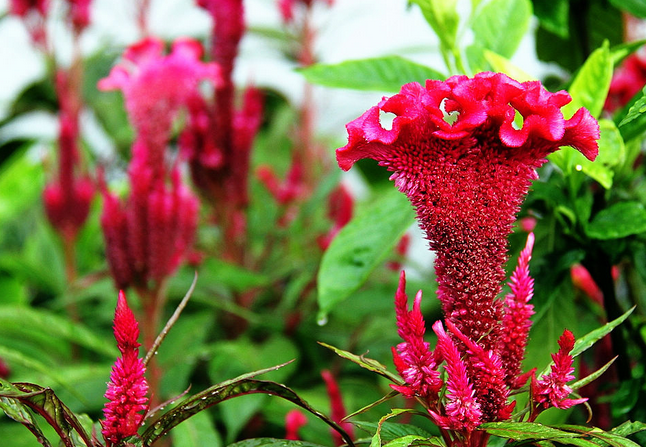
127,390
294,420
462,411
414,361
456,151
516,320
552,389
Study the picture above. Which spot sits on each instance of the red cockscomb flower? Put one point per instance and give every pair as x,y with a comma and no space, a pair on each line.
127,390
457,153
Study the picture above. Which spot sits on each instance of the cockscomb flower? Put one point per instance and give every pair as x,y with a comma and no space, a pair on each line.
457,152
127,390
414,361
340,209
156,86
552,389
286,7
338,408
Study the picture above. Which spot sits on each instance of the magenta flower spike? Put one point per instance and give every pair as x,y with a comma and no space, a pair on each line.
456,151
516,320
414,361
552,389
127,390
338,408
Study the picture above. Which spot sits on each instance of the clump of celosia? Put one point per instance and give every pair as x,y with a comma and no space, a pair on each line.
149,234
465,151
127,390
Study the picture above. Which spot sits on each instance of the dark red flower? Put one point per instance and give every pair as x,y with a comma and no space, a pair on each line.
456,150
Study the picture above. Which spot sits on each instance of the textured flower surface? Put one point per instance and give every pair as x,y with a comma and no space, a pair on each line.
464,151
127,389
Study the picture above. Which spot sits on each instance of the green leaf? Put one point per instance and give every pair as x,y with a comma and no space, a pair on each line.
623,50
387,73
592,377
521,431
376,439
629,428
364,362
226,390
21,319
272,442
504,65
44,402
443,17
634,7
19,413
392,430
415,440
198,431
497,15
636,111
360,247
21,183
619,220
587,341
553,15
591,84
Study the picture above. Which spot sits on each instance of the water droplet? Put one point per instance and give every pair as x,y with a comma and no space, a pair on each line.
156,352
204,398
578,167
322,320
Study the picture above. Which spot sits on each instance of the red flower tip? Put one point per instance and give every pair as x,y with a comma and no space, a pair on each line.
338,409
127,390
582,280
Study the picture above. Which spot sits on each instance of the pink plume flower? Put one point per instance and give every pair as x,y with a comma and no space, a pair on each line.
456,152
127,389
516,320
462,411
414,361
79,14
340,210
552,389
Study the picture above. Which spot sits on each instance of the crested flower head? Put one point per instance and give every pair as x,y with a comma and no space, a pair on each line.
552,389
464,151
127,388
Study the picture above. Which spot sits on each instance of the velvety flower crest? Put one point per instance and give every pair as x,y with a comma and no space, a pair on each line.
127,390
464,151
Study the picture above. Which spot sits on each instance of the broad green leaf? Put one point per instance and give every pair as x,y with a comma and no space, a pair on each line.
198,431
623,50
24,319
366,363
272,442
416,440
521,431
619,220
497,15
600,436
360,247
504,65
590,86
21,183
227,390
612,153
553,15
636,8
387,74
443,17
636,126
